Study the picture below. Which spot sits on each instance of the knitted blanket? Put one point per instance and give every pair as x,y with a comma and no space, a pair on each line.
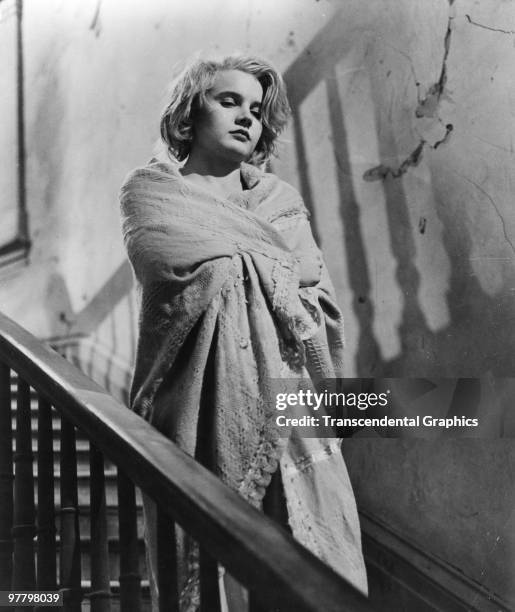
222,314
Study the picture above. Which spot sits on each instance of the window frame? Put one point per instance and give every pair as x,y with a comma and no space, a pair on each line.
16,250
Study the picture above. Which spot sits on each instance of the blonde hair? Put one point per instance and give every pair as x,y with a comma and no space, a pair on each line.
188,96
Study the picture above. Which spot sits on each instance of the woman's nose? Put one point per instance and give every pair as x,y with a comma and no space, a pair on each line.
244,119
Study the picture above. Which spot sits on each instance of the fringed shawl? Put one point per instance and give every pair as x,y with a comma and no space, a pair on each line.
222,315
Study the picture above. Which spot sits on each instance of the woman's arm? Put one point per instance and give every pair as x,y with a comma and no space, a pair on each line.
324,347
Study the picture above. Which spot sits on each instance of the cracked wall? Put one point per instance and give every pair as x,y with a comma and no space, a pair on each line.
402,146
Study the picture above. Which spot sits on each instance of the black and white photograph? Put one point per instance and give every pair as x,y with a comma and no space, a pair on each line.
257,305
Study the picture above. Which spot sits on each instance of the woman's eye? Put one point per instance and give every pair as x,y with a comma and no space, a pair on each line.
227,102
257,114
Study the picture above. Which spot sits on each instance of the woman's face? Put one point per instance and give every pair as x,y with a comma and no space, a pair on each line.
229,125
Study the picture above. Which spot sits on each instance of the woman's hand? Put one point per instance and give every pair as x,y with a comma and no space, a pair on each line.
299,237
310,268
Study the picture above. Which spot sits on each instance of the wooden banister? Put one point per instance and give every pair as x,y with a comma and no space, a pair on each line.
262,556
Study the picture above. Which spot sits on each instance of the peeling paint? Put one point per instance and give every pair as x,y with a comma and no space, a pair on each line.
429,105
379,173
448,129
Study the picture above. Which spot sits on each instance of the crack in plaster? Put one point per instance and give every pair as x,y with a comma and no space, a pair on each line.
485,27
95,24
409,60
428,108
429,105
380,172
495,207
493,144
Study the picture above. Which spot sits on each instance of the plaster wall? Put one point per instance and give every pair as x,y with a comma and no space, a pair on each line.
402,146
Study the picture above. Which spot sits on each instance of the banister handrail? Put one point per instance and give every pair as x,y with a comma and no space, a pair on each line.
254,550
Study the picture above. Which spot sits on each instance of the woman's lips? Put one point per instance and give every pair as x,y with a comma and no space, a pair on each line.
241,134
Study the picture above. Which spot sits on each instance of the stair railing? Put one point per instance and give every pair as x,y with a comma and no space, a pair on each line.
277,571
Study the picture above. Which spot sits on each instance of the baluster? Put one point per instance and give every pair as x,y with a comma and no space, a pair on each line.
100,594
24,530
167,564
6,479
130,580
69,561
46,559
209,589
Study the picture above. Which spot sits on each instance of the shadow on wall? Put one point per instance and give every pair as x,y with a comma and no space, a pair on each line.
479,336
101,338
476,338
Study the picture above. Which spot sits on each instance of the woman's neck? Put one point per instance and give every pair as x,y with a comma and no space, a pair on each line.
222,179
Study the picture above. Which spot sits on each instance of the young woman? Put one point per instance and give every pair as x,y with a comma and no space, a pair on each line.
235,294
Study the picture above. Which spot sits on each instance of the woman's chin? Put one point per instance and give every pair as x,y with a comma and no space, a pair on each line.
238,151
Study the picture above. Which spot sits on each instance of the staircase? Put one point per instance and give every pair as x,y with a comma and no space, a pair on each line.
83,473
230,532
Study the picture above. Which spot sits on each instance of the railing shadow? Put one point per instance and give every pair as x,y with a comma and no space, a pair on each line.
470,342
